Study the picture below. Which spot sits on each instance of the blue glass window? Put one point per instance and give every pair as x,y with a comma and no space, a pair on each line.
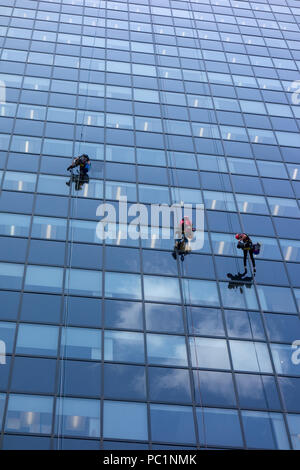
264,430
7,333
116,190
123,346
166,349
209,353
11,275
77,417
243,324
124,286
37,340
294,427
164,318
81,343
25,144
30,414
285,359
171,423
49,228
120,314
33,375
219,427
18,181
284,207
43,279
153,194
123,420
214,388
145,95
57,147
120,154
162,289
282,328
276,299
200,292
290,389
238,298
169,385
219,201
124,382
250,356
11,302
84,282
2,403
82,378
265,396
205,321
151,157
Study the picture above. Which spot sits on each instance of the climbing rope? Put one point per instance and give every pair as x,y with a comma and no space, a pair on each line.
73,215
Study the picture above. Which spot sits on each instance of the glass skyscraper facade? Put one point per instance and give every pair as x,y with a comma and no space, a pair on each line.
114,344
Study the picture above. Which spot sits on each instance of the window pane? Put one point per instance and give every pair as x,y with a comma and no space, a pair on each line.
264,430
209,353
2,403
222,427
82,343
166,349
123,346
123,286
214,388
284,360
276,299
37,340
14,224
238,298
250,356
294,427
124,382
200,292
291,249
29,414
125,420
81,281
172,424
162,289
7,334
43,279
169,385
164,318
11,275
284,207
120,314
77,417
49,228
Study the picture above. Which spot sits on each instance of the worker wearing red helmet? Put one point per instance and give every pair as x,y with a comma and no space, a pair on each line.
184,233
245,243
186,227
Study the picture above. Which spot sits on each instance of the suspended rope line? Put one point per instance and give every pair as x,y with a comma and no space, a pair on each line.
74,209
176,196
235,257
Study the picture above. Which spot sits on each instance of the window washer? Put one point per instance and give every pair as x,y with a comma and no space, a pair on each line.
84,164
185,232
245,243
